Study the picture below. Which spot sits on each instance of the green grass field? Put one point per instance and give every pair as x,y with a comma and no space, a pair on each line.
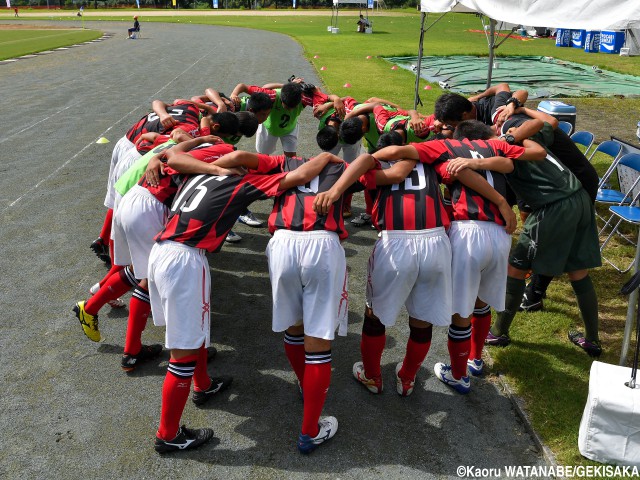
549,373
17,42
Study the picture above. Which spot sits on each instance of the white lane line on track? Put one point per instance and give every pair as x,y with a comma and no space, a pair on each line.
55,172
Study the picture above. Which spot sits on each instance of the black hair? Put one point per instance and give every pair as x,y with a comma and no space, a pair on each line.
291,94
248,123
390,138
472,130
259,102
351,130
229,123
327,138
450,107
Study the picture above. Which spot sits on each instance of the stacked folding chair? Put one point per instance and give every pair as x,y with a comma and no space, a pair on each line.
624,204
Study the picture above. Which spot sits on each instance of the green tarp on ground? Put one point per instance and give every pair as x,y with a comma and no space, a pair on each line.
541,76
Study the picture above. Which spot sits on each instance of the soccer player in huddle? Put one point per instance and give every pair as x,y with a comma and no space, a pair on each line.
203,212
411,262
560,235
307,268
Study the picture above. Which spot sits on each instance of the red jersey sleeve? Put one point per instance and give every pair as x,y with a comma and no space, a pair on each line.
255,89
267,184
349,104
431,152
506,150
441,170
369,178
269,163
382,116
318,98
211,153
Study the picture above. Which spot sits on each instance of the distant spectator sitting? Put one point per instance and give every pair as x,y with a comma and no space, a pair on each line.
363,23
136,27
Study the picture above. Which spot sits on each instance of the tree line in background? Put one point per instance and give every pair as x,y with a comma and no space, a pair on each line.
193,4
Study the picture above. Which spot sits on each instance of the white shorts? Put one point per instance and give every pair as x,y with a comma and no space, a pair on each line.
266,143
137,220
308,274
121,147
349,152
480,256
180,291
125,158
411,268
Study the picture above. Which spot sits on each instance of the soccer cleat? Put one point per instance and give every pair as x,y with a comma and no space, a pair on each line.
117,303
89,322
475,367
101,250
218,384
233,237
530,303
328,427
185,440
249,219
374,385
444,374
147,352
592,347
404,387
497,341
361,220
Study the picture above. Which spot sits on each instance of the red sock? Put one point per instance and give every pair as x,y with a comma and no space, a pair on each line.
201,378
294,349
371,348
175,392
417,348
139,309
114,287
113,270
480,324
458,343
317,377
105,233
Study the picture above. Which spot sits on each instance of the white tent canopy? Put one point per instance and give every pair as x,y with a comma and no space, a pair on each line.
575,14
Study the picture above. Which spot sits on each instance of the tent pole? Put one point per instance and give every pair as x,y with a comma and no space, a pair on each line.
416,98
492,43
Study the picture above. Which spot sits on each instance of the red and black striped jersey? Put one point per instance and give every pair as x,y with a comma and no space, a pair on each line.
171,180
293,210
207,206
467,203
184,112
413,204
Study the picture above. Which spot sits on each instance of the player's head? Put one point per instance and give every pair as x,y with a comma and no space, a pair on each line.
473,130
248,123
135,18
327,138
224,124
260,104
390,138
453,108
291,95
351,130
